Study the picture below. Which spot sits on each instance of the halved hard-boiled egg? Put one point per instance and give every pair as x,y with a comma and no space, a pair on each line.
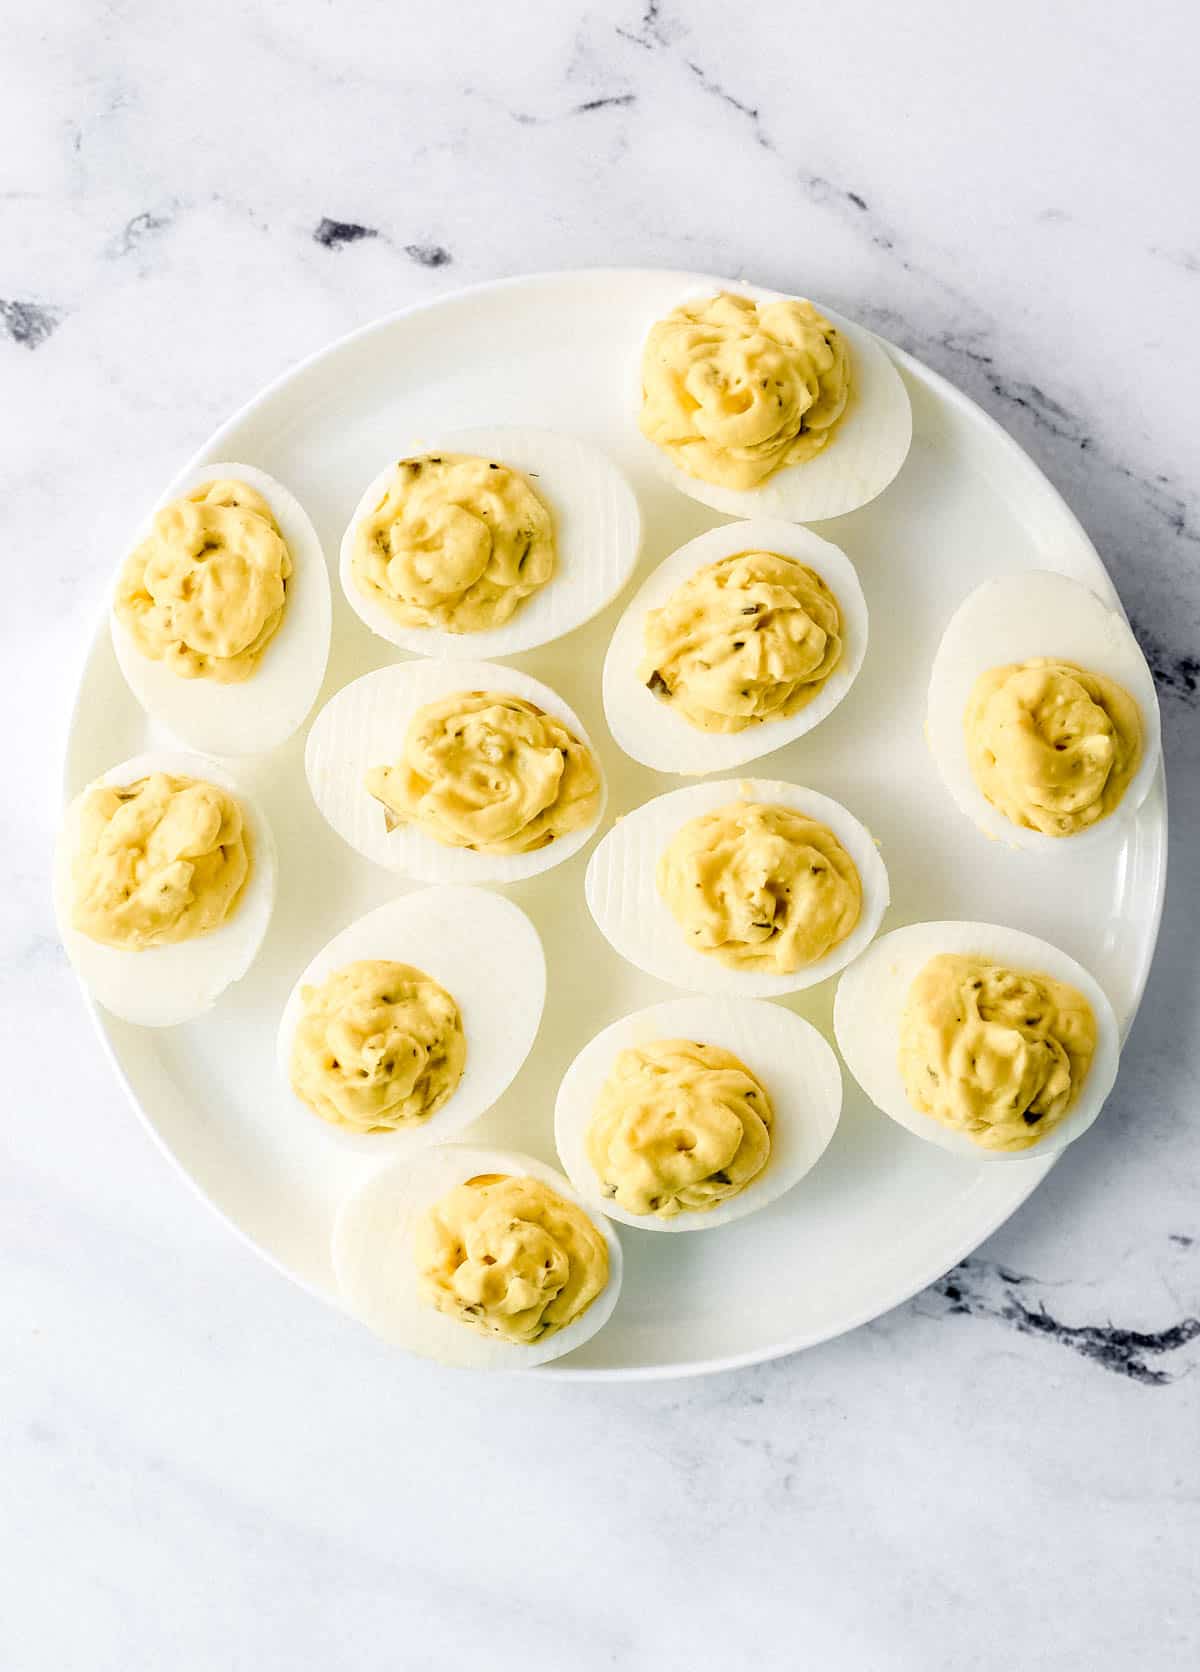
410,1023
487,542
485,1259
1042,715
750,887
979,1038
221,612
761,404
164,884
690,1114
457,772
737,644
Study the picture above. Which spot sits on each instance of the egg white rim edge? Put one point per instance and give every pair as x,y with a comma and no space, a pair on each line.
219,719
861,459
793,1060
633,917
598,540
649,730
884,975
364,724
203,967
402,1190
1000,622
497,979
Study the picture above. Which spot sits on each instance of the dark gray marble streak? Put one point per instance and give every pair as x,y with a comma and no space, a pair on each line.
335,235
981,1289
29,323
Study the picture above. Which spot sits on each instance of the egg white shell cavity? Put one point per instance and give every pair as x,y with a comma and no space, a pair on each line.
487,955
870,1002
263,711
623,896
164,985
652,731
1014,618
372,1251
365,724
794,1062
597,532
862,457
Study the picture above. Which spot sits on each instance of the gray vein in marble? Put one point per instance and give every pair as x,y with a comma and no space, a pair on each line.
137,231
335,235
982,1289
428,255
29,323
1180,1240
1187,260
1176,673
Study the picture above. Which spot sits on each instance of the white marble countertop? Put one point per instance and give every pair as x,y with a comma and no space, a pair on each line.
203,1467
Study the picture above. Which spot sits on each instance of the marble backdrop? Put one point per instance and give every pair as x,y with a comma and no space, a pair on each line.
202,1467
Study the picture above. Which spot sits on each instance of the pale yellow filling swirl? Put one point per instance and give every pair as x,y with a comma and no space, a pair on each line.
760,887
679,1127
1052,746
510,1257
379,1046
205,592
751,638
995,1053
733,390
489,771
159,860
455,542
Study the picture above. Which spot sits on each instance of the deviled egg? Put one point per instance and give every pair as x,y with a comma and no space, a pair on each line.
455,772
738,643
760,404
490,541
690,1114
1042,717
485,1259
982,1039
750,887
164,884
221,613
415,1019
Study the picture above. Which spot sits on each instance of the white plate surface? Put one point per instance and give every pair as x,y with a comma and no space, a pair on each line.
882,1214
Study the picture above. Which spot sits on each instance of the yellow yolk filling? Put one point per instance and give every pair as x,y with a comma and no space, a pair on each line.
678,1128
750,638
205,591
380,1045
995,1053
158,861
456,542
491,772
510,1257
760,888
1050,745
733,390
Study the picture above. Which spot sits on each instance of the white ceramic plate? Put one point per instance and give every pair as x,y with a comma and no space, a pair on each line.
881,1214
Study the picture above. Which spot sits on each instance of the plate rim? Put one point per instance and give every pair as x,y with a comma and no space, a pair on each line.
968,409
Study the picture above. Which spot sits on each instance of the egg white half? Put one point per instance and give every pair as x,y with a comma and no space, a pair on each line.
372,1251
623,897
163,985
365,724
487,955
597,534
1013,619
864,454
263,711
653,732
795,1064
870,1002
